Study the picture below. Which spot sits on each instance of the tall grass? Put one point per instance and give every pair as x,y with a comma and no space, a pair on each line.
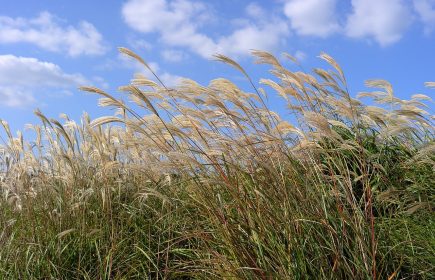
207,182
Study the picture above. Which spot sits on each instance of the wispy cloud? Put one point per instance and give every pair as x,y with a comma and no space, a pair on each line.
46,32
383,20
22,78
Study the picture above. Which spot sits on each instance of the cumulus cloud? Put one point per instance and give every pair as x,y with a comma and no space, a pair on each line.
312,17
173,20
252,36
179,23
21,78
47,33
159,15
383,20
426,10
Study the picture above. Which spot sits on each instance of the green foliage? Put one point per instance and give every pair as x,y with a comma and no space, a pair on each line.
112,233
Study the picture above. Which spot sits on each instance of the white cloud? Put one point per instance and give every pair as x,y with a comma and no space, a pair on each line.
265,36
178,23
46,32
383,20
159,15
426,10
23,77
312,17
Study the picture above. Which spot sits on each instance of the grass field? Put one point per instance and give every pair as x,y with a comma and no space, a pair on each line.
206,182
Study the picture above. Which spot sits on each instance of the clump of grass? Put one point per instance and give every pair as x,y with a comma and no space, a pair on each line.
207,182
115,231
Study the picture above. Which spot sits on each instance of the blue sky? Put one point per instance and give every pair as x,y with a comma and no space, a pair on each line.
48,48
